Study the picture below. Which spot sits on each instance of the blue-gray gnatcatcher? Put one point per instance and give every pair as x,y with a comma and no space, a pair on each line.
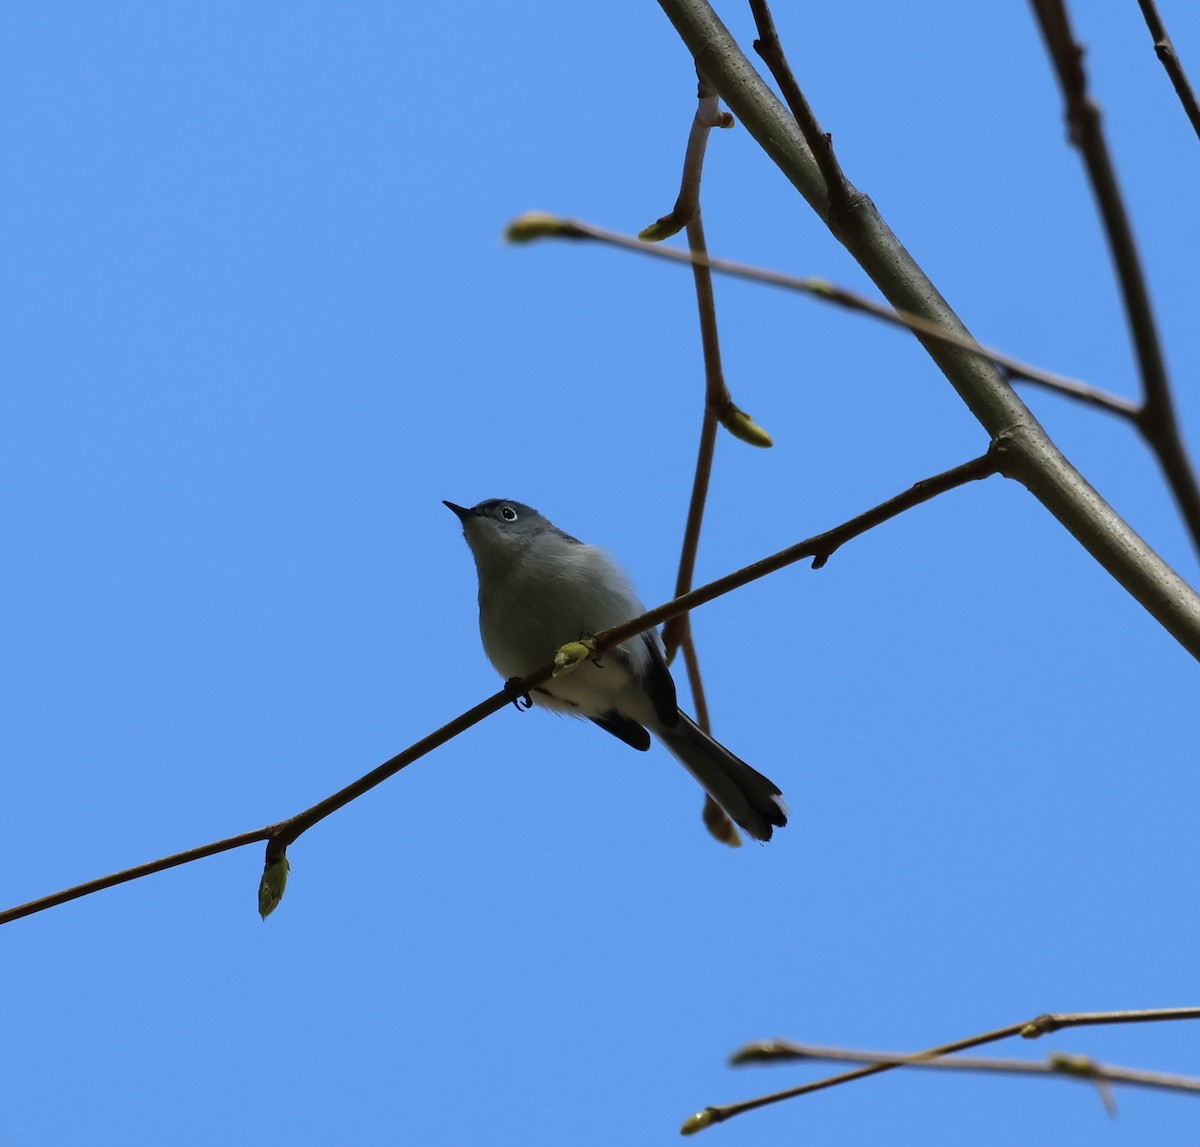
540,589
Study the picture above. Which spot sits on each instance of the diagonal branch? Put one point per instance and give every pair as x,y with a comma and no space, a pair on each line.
1165,51
537,225
841,199
841,195
1031,456
819,547
1060,1064
1027,1029
1156,420
1083,392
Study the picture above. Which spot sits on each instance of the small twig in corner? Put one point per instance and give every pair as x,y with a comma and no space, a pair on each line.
1027,1029
1165,51
841,196
1059,1064
1156,418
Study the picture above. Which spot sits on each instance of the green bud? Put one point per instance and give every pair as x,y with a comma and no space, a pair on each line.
272,885
540,225
742,426
697,1122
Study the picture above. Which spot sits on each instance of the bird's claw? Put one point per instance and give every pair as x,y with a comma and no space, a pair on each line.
515,688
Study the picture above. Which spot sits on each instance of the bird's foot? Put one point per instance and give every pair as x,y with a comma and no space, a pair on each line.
515,688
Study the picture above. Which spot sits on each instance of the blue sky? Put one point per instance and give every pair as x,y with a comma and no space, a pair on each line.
260,322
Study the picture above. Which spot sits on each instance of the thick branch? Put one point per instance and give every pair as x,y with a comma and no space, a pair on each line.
1031,457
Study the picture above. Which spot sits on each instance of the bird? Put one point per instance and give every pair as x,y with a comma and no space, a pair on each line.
540,589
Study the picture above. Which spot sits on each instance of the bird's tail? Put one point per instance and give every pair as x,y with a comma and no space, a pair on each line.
750,799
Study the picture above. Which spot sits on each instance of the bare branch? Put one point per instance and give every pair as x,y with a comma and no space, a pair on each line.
840,194
539,226
1165,51
1028,1029
718,405
820,547
1060,1064
1157,419
1083,392
716,391
1031,456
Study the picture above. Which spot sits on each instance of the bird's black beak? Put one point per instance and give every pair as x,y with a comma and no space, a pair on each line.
462,511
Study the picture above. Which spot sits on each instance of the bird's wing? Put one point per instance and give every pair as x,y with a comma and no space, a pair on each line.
624,729
656,680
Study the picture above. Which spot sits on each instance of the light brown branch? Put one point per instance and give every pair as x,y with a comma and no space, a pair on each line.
1056,1064
1087,394
1028,1029
537,225
820,548
717,399
716,390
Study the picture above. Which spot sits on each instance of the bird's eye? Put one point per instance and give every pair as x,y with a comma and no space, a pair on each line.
508,513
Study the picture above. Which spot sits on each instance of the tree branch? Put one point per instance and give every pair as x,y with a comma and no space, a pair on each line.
1083,392
1028,1029
840,195
1156,420
718,406
820,547
1030,457
538,225
1165,51
1060,1064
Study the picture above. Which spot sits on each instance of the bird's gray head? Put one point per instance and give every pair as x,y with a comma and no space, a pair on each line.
500,532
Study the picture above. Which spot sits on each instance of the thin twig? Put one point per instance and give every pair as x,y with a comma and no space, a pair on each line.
1157,420
716,390
820,548
1029,1029
1165,51
537,225
1060,1064
1087,394
842,197
717,398
676,629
